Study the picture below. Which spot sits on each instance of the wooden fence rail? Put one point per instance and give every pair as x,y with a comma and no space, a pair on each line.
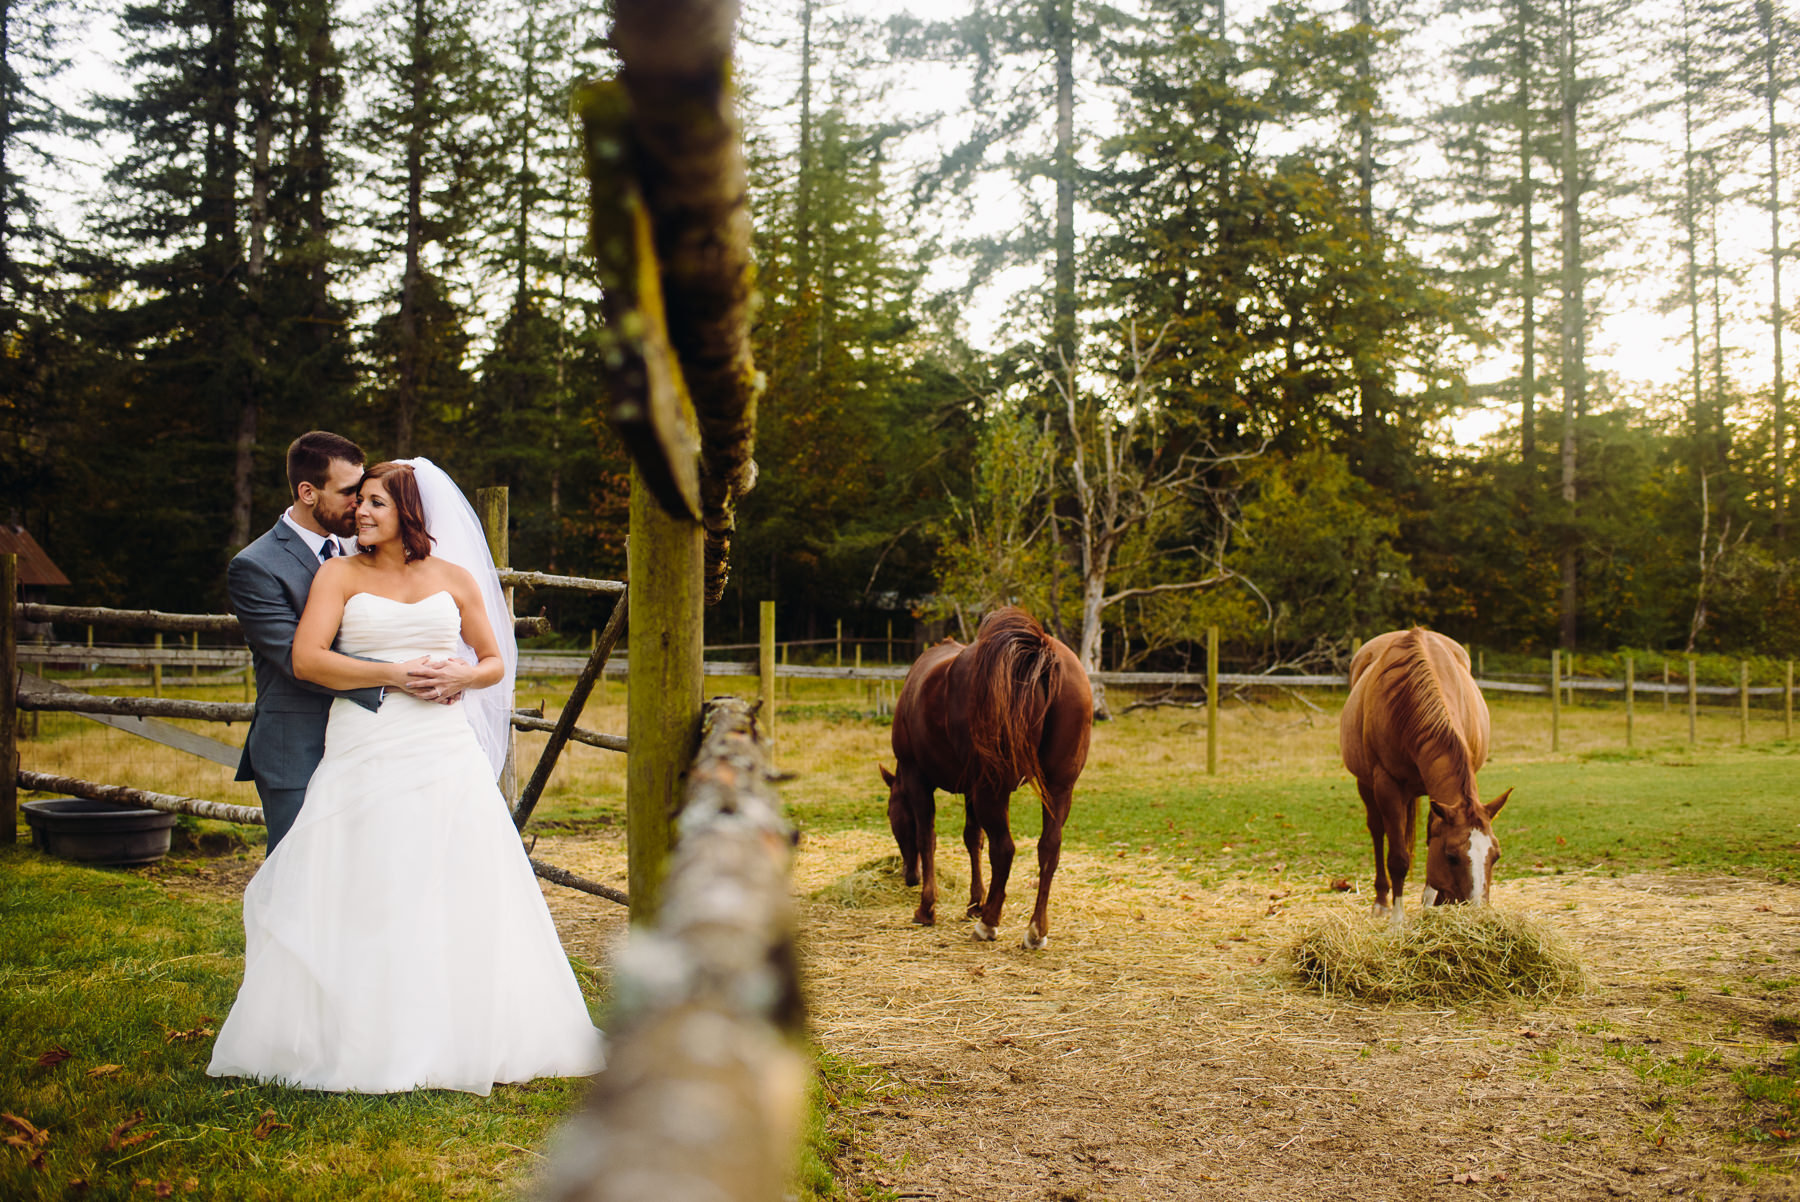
71,702
705,1083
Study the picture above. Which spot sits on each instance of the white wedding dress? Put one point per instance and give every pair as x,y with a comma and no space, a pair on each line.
396,938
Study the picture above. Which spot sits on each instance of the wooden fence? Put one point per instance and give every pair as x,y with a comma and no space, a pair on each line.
147,716
705,1083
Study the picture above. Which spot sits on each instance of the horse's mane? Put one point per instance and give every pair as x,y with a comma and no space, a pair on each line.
1421,716
1015,671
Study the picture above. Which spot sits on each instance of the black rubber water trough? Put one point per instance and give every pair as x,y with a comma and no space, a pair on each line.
98,832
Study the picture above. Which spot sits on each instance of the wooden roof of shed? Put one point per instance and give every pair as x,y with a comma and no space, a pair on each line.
35,567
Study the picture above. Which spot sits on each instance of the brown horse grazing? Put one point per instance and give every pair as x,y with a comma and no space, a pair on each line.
1012,706
1415,724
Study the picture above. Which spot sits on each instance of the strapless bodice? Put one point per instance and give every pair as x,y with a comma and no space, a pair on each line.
377,627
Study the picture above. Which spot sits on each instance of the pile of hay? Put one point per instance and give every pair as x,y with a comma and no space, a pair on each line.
1445,954
882,882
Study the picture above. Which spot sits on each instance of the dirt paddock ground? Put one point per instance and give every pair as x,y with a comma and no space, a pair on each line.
1160,1048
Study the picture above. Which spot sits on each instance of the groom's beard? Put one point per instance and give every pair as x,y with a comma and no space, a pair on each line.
344,526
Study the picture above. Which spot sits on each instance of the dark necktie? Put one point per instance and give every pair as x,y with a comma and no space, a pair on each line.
327,550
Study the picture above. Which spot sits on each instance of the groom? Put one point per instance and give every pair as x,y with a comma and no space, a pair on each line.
268,582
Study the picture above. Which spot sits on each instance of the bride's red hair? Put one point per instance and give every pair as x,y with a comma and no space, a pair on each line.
403,487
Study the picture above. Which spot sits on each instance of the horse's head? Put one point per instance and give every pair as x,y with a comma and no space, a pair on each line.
1460,851
900,821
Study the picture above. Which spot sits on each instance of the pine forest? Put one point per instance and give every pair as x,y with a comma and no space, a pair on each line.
1303,319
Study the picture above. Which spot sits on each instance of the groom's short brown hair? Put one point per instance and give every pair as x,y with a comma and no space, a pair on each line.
310,456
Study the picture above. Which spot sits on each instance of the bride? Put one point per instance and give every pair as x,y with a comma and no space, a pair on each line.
396,938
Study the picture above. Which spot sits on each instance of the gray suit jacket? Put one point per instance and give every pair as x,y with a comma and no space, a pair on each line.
268,582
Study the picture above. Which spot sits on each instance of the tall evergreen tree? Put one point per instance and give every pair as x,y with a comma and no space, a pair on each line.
1021,57
1493,136
1754,75
432,163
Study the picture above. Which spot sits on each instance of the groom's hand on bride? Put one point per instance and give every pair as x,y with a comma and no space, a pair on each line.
442,680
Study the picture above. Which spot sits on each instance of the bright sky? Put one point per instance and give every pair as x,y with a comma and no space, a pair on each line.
1640,347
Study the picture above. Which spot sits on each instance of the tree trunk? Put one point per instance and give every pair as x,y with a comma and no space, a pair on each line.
1690,241
255,270
1723,431
410,383
9,88
1367,385
1765,13
1527,249
1574,319
1063,334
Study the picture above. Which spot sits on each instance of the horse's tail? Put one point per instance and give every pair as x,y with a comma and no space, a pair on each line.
1016,673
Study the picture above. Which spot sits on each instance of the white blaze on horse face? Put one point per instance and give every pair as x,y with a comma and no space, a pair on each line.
1481,845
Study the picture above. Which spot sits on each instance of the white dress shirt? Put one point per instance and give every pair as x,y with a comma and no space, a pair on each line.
316,542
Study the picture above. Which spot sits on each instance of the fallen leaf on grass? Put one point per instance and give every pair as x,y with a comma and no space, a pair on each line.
1765,909
160,1189
171,1035
1479,1074
1469,1178
28,1137
118,1140
1779,1132
1340,884
268,1123
190,1185
1528,1033
54,1057
104,1070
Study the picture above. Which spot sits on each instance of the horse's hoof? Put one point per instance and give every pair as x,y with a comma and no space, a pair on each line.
1378,910
983,933
974,910
1035,940
924,919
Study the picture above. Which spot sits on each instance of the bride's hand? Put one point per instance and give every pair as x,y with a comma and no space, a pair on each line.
440,680
402,675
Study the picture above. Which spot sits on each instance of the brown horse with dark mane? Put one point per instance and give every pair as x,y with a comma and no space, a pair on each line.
1415,724
979,720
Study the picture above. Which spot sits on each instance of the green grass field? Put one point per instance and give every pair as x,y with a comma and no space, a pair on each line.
111,982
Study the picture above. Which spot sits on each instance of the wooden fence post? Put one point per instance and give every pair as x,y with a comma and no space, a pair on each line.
665,563
1743,703
890,643
1787,702
1665,694
493,506
1693,704
194,668
840,644
1630,696
1480,665
156,670
9,699
1212,700
765,668
1555,700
